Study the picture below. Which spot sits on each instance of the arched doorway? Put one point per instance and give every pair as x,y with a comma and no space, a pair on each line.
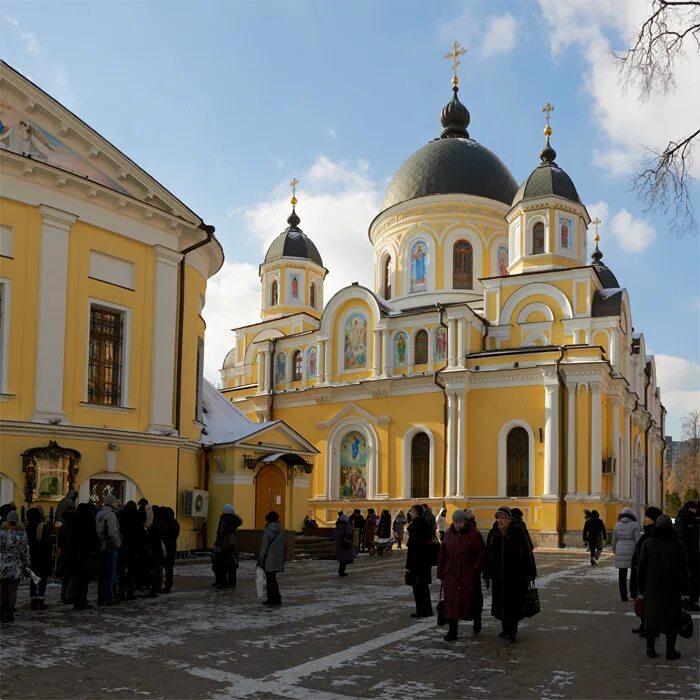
270,492
420,466
518,463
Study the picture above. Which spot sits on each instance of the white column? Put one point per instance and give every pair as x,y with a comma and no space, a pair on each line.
376,353
386,355
451,447
431,352
616,484
321,360
410,355
571,441
164,339
460,489
460,343
615,348
626,457
467,339
551,439
51,330
261,372
452,342
328,365
596,454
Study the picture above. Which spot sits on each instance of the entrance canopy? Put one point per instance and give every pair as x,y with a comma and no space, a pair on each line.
289,458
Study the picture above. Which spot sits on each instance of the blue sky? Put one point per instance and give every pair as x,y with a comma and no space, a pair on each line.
224,101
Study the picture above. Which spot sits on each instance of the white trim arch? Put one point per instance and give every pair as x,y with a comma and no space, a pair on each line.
272,277
131,489
503,457
532,338
533,308
529,238
333,461
412,343
355,293
340,342
534,289
267,334
406,475
390,250
477,243
429,237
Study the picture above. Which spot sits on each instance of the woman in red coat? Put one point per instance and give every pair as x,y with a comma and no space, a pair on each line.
460,564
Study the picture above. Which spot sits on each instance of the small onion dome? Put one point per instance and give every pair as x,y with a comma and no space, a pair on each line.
454,118
605,274
293,243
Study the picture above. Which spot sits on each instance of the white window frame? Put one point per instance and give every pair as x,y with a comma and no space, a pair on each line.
503,458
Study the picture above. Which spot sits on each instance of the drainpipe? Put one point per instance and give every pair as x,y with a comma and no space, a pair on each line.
436,378
563,450
209,231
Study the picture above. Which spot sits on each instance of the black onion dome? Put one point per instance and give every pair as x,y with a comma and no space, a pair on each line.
452,164
293,243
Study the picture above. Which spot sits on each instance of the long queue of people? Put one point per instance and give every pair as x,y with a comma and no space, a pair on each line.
125,549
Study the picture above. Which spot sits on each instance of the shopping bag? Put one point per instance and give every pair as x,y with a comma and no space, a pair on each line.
260,582
685,628
532,601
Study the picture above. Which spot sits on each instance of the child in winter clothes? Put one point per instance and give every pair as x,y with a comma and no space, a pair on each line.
14,560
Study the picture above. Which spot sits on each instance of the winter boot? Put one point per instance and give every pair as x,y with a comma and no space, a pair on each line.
451,632
40,604
477,625
651,646
32,604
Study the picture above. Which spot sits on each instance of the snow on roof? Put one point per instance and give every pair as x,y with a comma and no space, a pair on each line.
224,422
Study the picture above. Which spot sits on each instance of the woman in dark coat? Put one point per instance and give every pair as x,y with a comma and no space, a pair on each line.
170,531
225,560
39,537
662,578
131,561
344,551
384,529
510,565
83,549
650,516
419,562
460,564
370,527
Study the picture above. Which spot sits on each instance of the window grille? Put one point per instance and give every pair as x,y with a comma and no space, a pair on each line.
105,361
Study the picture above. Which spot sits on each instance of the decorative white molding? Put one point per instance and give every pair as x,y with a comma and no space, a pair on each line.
503,457
353,408
333,462
232,478
406,472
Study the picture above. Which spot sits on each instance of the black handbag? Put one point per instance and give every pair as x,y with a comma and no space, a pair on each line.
434,553
686,623
441,619
532,600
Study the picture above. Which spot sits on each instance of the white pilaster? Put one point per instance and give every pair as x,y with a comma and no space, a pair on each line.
376,353
571,440
616,483
321,360
460,489
551,438
386,354
261,372
452,343
51,331
431,352
596,448
626,455
461,351
615,348
451,446
164,339
328,365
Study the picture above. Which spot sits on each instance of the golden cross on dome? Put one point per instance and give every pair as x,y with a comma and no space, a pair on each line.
596,222
454,56
293,184
548,109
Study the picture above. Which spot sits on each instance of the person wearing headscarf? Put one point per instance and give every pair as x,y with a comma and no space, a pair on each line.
510,566
594,535
419,561
225,560
651,514
370,527
39,537
384,528
14,560
662,579
271,558
344,551
398,528
625,536
441,523
460,563
67,503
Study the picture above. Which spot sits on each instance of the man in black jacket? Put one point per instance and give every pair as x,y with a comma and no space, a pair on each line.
594,535
650,517
687,529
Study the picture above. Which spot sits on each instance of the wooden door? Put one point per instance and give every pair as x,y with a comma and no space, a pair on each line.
270,490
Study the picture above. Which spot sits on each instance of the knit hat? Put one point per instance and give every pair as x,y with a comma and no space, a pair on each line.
517,513
471,515
110,500
459,516
653,513
627,513
504,510
12,517
228,509
664,521
272,517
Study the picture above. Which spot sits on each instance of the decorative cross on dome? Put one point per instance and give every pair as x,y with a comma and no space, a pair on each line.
293,184
596,222
548,109
454,56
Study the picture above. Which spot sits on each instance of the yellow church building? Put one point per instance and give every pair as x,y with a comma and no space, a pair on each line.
489,364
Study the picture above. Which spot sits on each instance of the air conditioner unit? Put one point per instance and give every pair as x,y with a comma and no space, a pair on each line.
195,503
609,465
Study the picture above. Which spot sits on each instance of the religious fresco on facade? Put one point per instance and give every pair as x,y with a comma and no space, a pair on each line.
280,368
400,349
502,260
355,345
20,134
419,266
293,286
440,344
311,366
566,230
353,465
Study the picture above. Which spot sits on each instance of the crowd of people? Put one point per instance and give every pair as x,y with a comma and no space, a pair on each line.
125,549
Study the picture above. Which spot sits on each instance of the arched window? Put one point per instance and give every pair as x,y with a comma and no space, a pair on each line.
518,462
312,295
421,348
462,264
387,277
274,293
297,365
538,238
420,466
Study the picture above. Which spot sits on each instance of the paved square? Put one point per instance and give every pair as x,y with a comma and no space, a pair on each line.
339,638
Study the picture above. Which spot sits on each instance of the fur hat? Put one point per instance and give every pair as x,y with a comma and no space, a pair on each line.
272,517
12,517
653,513
504,510
664,521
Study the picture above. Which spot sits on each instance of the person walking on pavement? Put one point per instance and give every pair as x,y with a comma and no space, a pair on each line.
419,561
688,530
39,538
370,528
460,563
14,561
510,566
344,551
625,536
594,535
357,520
271,559
107,527
650,517
663,578
170,529
226,558
398,527
441,523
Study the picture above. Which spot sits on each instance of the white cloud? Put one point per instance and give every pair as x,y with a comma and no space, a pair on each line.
632,235
31,44
597,28
679,380
332,132
599,210
12,20
337,201
499,36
